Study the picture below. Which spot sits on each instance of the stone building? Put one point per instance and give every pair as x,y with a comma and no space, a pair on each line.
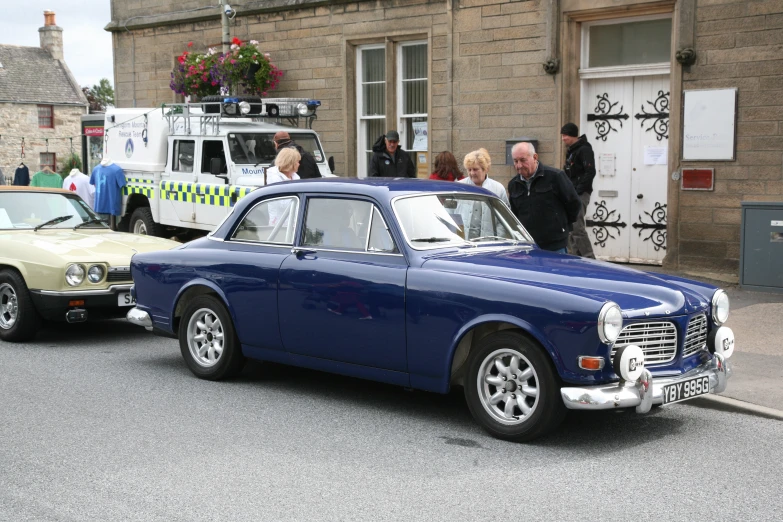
481,73
40,104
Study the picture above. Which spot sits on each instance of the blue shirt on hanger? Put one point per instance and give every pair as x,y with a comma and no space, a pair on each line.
108,181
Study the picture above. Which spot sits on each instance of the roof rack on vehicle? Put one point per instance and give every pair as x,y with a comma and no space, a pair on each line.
211,109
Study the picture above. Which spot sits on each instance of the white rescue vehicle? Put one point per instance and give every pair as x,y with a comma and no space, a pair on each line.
186,165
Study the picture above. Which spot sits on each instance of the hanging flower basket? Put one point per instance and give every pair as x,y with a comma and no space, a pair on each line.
197,74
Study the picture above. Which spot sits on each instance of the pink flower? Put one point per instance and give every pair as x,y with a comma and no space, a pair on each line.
233,62
190,44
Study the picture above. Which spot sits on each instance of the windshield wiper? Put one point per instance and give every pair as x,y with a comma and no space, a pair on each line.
493,237
90,221
53,222
431,239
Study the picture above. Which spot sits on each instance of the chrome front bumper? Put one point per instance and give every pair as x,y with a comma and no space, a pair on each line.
645,392
139,317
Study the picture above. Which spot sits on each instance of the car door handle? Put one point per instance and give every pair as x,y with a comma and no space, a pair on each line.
301,252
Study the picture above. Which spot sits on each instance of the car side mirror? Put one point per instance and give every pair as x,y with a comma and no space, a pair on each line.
331,163
214,166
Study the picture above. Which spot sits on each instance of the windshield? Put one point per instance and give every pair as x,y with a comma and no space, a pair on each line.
437,220
31,209
258,148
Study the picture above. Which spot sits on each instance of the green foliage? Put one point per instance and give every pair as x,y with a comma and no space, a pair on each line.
100,96
73,161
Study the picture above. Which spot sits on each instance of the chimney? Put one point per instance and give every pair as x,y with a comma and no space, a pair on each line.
51,36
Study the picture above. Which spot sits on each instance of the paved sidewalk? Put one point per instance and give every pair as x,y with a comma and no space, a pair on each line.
756,384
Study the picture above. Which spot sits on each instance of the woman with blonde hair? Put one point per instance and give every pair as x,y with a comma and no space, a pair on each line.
477,163
286,165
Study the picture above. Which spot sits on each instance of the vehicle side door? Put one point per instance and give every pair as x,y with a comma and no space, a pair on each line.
176,201
342,295
213,199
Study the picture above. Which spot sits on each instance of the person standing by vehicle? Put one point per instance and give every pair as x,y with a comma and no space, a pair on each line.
446,168
542,198
580,168
287,162
389,160
308,168
477,163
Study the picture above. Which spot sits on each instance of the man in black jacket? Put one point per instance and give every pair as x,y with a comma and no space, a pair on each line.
389,160
542,198
580,168
308,168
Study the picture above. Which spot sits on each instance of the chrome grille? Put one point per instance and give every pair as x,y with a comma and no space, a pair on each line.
657,340
696,336
119,273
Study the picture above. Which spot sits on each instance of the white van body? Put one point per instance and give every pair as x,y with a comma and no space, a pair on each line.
167,157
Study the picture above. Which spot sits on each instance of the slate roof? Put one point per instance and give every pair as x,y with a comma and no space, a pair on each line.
30,74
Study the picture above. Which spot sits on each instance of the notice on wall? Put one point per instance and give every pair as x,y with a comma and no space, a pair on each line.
606,164
419,135
709,118
656,155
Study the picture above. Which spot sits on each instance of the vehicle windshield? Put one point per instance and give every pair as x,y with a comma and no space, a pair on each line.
258,148
19,209
438,220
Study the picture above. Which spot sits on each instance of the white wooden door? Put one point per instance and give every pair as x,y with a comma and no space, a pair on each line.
624,117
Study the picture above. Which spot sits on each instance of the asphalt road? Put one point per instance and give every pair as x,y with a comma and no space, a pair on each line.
105,422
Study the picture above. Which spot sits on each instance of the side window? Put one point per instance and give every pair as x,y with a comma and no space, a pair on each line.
271,221
212,149
182,159
341,224
380,238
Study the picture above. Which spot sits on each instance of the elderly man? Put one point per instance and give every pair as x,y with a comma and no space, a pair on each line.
389,160
308,168
543,199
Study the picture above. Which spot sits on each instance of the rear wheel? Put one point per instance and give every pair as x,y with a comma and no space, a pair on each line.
18,317
512,388
208,341
142,223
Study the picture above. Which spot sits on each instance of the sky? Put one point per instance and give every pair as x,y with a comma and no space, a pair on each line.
87,47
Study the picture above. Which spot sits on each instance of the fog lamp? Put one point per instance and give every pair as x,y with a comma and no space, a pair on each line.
628,362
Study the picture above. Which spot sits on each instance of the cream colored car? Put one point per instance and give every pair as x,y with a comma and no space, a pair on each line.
60,262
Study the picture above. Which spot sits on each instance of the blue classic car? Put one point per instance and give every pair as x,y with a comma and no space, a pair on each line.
427,285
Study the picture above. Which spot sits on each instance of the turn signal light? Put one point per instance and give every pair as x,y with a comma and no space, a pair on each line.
76,303
591,363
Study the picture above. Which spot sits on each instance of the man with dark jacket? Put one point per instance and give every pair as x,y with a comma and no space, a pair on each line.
542,198
389,160
308,168
580,168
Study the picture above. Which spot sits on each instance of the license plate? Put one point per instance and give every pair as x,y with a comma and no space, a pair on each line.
684,390
125,299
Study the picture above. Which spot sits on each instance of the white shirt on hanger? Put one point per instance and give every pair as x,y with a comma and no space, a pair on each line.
80,183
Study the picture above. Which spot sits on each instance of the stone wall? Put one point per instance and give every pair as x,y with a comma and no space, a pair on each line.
739,44
21,119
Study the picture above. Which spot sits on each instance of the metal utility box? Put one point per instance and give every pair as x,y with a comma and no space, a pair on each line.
761,246
513,141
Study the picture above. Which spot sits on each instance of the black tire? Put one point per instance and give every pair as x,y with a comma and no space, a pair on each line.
546,409
230,360
141,223
21,323
272,110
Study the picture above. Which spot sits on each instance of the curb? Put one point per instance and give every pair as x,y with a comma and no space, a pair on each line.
718,402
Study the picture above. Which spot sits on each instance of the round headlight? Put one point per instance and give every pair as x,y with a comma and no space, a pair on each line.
95,273
720,307
74,275
244,107
303,109
610,322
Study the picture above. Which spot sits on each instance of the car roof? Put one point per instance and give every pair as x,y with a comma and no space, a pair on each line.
16,188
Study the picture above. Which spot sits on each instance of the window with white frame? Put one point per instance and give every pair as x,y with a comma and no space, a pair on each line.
412,106
627,43
371,101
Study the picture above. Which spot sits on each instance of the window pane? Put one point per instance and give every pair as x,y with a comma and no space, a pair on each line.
340,224
414,61
380,239
373,65
183,155
373,99
414,97
630,43
272,221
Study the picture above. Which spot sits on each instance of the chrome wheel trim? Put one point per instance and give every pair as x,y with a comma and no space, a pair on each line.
508,386
9,306
140,228
205,337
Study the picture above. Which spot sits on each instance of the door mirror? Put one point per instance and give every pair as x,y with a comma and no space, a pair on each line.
331,163
215,165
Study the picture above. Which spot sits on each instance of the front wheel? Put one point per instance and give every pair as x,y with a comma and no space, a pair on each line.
208,341
18,317
512,389
143,224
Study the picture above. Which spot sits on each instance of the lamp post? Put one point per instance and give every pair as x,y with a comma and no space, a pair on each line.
224,10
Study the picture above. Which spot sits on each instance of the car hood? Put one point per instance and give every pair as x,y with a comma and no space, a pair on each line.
115,248
639,294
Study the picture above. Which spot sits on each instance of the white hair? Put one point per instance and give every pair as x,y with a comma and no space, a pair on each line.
531,149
